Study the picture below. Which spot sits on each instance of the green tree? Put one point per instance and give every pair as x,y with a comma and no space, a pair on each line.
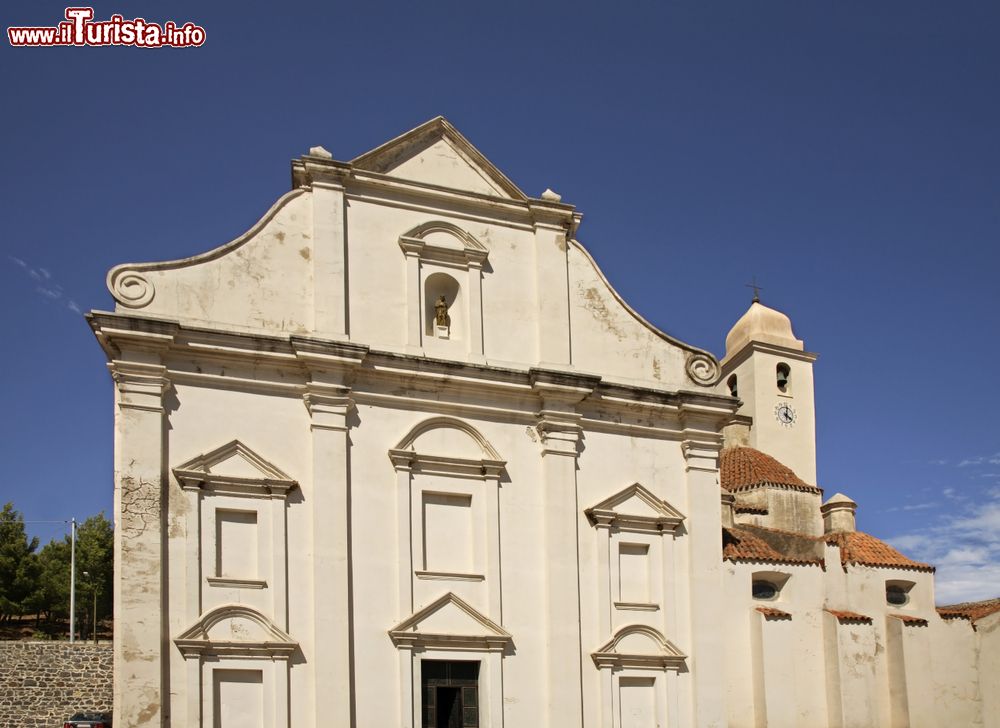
18,564
51,594
95,551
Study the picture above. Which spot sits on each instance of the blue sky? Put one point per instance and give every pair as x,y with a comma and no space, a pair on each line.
844,153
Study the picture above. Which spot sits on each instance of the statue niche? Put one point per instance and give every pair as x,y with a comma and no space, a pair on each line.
442,307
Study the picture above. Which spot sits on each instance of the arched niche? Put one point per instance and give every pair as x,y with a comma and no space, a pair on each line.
443,294
442,259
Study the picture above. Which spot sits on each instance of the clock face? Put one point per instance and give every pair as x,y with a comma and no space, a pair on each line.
785,414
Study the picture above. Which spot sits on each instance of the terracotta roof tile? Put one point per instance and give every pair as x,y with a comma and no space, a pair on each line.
971,611
772,613
857,547
910,620
743,467
845,617
755,543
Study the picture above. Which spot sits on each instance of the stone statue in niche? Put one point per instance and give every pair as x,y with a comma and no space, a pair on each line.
441,318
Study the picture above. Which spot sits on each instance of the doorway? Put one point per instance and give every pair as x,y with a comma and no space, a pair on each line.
450,694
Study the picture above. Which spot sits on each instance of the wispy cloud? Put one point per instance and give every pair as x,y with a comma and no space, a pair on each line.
912,507
45,286
964,546
993,459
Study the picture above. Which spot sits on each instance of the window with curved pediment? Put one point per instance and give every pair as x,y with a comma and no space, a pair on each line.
239,657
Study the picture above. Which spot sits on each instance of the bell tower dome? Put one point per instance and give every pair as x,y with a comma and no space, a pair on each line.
772,374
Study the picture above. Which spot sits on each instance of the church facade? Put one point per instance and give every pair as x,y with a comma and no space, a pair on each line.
401,456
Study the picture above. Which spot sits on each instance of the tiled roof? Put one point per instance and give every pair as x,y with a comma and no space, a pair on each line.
847,617
755,543
772,613
857,547
910,620
744,467
971,611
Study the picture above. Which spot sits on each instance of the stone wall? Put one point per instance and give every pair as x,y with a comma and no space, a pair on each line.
43,683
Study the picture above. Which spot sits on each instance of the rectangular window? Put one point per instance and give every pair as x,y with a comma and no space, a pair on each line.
450,694
448,545
239,698
236,544
637,699
633,572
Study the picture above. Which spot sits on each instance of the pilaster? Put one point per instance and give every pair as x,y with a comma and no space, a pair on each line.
141,674
330,366
702,441
561,434
329,256
553,223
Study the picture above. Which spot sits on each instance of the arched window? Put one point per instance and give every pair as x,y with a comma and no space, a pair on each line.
764,590
897,593
766,586
783,377
731,383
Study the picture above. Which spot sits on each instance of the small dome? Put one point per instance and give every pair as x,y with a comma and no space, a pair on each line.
763,324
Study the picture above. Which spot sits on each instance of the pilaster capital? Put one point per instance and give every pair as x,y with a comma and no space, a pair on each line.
328,405
140,385
561,432
561,390
311,170
558,420
554,215
702,424
328,361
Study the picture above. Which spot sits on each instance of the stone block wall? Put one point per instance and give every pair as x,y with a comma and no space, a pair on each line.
43,683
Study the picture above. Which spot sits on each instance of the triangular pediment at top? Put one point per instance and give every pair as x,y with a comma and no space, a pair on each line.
232,462
436,153
636,504
450,620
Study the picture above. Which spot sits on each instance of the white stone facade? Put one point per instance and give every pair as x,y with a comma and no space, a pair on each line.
343,502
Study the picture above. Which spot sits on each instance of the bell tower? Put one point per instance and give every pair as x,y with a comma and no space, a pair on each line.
770,371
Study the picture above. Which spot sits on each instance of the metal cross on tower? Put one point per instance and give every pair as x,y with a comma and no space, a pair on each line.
756,289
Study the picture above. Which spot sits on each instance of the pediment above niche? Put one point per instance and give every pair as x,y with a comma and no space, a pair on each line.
238,631
436,153
234,466
639,646
447,445
636,508
444,242
450,622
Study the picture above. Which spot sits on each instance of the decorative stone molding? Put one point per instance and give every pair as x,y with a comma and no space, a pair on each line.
250,634
471,252
405,457
480,631
623,650
196,474
558,421
664,517
130,288
702,369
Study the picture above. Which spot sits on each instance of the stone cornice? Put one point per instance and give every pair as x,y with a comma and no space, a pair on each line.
731,362
286,364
